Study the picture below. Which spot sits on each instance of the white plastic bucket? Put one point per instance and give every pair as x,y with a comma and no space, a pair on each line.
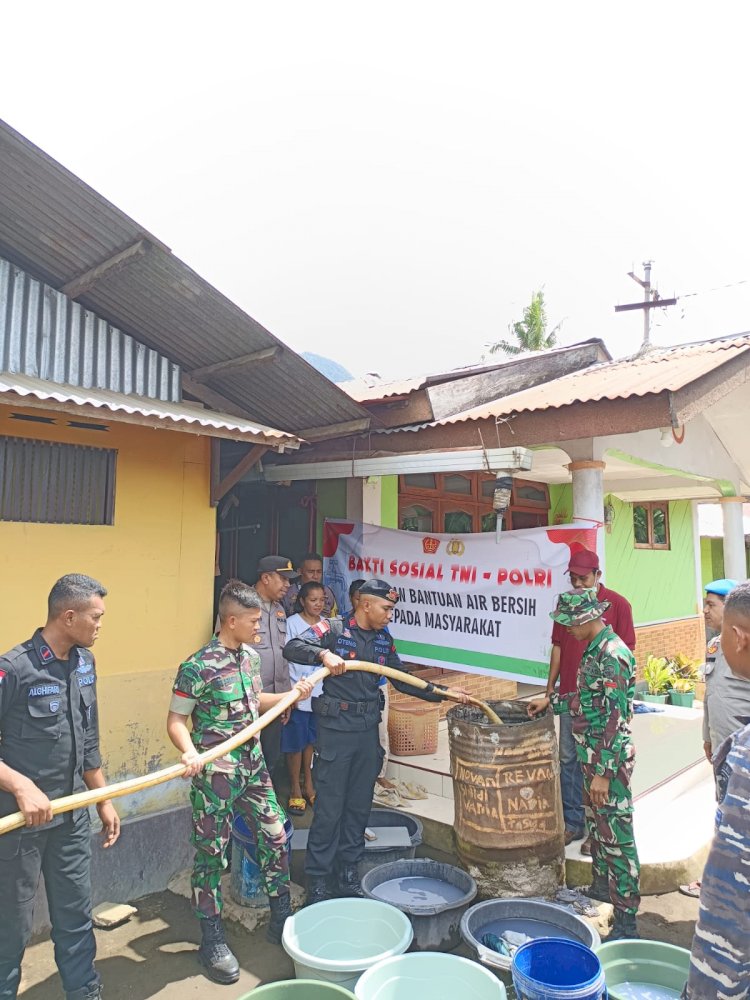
429,974
339,939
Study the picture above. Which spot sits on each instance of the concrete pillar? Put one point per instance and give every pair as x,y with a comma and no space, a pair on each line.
363,499
588,490
735,567
371,500
588,497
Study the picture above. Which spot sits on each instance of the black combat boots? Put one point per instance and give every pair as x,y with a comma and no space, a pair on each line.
623,927
599,889
317,890
214,953
349,884
281,908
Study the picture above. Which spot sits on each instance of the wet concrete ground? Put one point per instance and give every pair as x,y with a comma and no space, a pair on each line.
153,955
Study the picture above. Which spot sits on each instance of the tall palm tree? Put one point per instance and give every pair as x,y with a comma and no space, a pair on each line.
530,332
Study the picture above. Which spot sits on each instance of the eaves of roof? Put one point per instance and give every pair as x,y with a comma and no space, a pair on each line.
27,391
65,233
667,369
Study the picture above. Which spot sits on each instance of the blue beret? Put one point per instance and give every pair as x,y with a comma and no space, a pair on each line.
720,587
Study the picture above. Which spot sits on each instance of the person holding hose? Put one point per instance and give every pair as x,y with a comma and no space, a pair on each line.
220,689
348,754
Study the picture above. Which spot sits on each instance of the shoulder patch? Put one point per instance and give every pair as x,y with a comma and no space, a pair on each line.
321,628
45,653
713,645
2,674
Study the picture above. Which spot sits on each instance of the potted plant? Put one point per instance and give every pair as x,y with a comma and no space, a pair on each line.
682,692
658,676
684,678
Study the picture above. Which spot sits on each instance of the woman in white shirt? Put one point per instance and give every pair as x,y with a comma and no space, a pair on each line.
299,734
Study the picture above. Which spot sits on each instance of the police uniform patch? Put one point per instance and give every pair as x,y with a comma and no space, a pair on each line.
45,653
321,628
392,595
352,655
257,639
54,706
2,675
347,633
713,646
281,614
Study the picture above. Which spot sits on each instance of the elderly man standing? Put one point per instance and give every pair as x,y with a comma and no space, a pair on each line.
726,707
720,955
601,710
273,579
565,658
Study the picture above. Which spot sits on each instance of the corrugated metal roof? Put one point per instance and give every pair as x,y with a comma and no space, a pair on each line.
666,369
58,228
372,391
44,334
174,416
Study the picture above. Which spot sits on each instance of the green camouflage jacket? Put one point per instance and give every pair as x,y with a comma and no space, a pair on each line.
602,706
219,689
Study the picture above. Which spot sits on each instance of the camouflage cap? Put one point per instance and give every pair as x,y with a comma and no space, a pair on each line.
577,607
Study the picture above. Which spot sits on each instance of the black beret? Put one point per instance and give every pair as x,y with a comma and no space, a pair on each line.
379,588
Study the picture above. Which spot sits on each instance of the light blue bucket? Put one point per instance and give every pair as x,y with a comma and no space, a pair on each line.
429,974
246,886
339,939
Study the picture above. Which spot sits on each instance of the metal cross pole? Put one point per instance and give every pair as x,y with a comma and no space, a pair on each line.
651,301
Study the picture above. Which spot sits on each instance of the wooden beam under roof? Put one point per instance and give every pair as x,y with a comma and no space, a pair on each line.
256,357
83,282
245,464
213,398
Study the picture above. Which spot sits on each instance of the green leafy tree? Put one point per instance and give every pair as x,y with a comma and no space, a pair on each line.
529,333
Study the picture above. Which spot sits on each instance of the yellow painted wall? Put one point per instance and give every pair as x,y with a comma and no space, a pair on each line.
157,562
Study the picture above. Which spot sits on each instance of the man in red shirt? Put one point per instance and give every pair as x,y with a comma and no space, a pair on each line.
565,659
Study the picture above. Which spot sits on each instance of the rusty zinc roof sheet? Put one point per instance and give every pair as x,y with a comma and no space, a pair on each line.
664,369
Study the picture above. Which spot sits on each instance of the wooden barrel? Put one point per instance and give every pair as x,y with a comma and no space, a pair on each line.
508,823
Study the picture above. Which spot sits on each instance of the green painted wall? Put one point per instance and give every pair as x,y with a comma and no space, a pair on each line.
389,501
560,504
658,583
331,494
712,559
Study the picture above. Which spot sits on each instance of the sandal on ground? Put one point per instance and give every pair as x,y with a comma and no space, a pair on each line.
296,806
692,889
411,790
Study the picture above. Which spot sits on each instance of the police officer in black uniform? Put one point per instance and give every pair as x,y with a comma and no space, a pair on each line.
49,747
348,754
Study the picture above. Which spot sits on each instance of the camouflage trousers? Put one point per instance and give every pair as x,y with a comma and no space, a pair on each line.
614,855
238,784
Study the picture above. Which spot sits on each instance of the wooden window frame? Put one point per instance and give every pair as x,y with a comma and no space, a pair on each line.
650,506
441,502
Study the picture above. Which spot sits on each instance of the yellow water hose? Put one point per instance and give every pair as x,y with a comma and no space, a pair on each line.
81,800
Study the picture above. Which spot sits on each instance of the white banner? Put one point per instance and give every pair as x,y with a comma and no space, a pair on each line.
467,602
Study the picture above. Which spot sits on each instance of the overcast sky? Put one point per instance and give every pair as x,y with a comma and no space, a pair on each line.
388,183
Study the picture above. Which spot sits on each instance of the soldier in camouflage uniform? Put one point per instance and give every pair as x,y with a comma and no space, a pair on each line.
602,707
220,688
720,955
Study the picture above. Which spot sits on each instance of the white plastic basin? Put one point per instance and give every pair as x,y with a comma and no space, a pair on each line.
337,940
429,974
